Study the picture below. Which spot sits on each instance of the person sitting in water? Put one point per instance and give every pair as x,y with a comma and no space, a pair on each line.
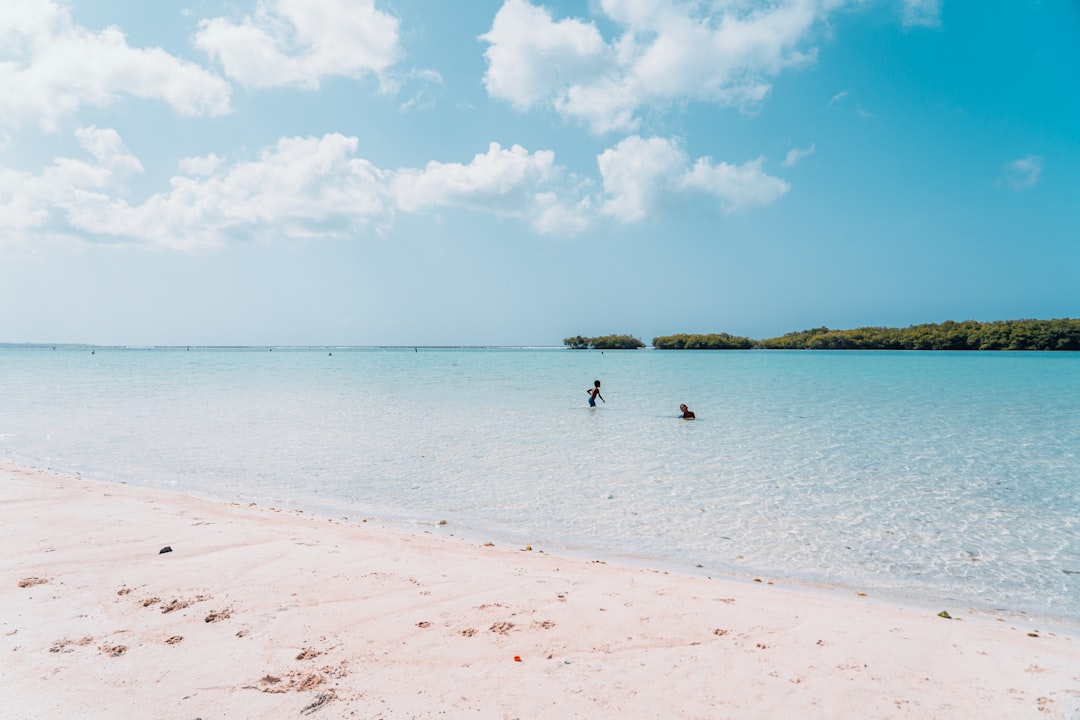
687,413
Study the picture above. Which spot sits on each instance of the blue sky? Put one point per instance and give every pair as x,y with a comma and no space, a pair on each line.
358,172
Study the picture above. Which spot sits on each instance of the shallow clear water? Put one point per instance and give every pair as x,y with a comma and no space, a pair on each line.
915,476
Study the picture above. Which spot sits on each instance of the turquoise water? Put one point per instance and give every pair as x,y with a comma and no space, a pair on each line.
933,477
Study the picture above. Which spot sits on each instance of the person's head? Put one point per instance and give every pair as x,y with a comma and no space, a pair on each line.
683,407
596,383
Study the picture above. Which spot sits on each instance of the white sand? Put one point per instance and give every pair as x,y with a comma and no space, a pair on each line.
264,614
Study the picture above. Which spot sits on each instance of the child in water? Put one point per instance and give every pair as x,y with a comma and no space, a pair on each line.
594,392
687,413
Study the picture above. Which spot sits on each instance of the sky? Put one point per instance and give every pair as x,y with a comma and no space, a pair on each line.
515,172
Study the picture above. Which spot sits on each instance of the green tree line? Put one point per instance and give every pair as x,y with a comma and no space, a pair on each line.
607,342
1058,334
711,341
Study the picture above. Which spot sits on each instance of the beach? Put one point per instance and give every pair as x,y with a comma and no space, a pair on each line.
259,612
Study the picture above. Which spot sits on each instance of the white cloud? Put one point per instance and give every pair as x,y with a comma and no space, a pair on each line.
299,42
794,155
639,173
21,208
201,166
319,186
859,109
32,203
554,217
299,187
837,97
1023,173
423,98
508,182
105,146
667,52
50,68
532,58
606,106
493,176
737,187
922,13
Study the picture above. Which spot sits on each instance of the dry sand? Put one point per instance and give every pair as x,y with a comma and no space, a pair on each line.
258,613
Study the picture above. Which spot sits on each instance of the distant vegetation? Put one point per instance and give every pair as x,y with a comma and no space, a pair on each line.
1060,334
712,341
607,342
1063,334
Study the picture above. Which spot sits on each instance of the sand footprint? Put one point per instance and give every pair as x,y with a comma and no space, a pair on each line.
64,646
181,603
218,615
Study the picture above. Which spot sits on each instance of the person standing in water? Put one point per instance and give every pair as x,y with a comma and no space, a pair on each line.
594,392
687,413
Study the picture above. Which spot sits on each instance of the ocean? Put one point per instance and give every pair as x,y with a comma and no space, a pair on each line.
939,478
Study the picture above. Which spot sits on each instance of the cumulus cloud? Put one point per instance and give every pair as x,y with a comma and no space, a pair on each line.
105,146
200,166
320,186
552,216
299,42
665,52
299,187
794,155
736,187
33,202
639,173
510,182
636,173
1023,173
50,68
532,57
22,207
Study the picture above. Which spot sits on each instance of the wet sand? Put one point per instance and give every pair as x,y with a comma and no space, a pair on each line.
261,613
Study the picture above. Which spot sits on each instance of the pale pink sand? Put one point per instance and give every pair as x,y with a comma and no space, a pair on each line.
265,614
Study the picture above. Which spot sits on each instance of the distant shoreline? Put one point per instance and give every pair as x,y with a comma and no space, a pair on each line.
1062,334
1057,335
90,346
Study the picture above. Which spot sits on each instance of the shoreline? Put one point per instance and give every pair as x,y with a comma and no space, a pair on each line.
258,612
922,597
